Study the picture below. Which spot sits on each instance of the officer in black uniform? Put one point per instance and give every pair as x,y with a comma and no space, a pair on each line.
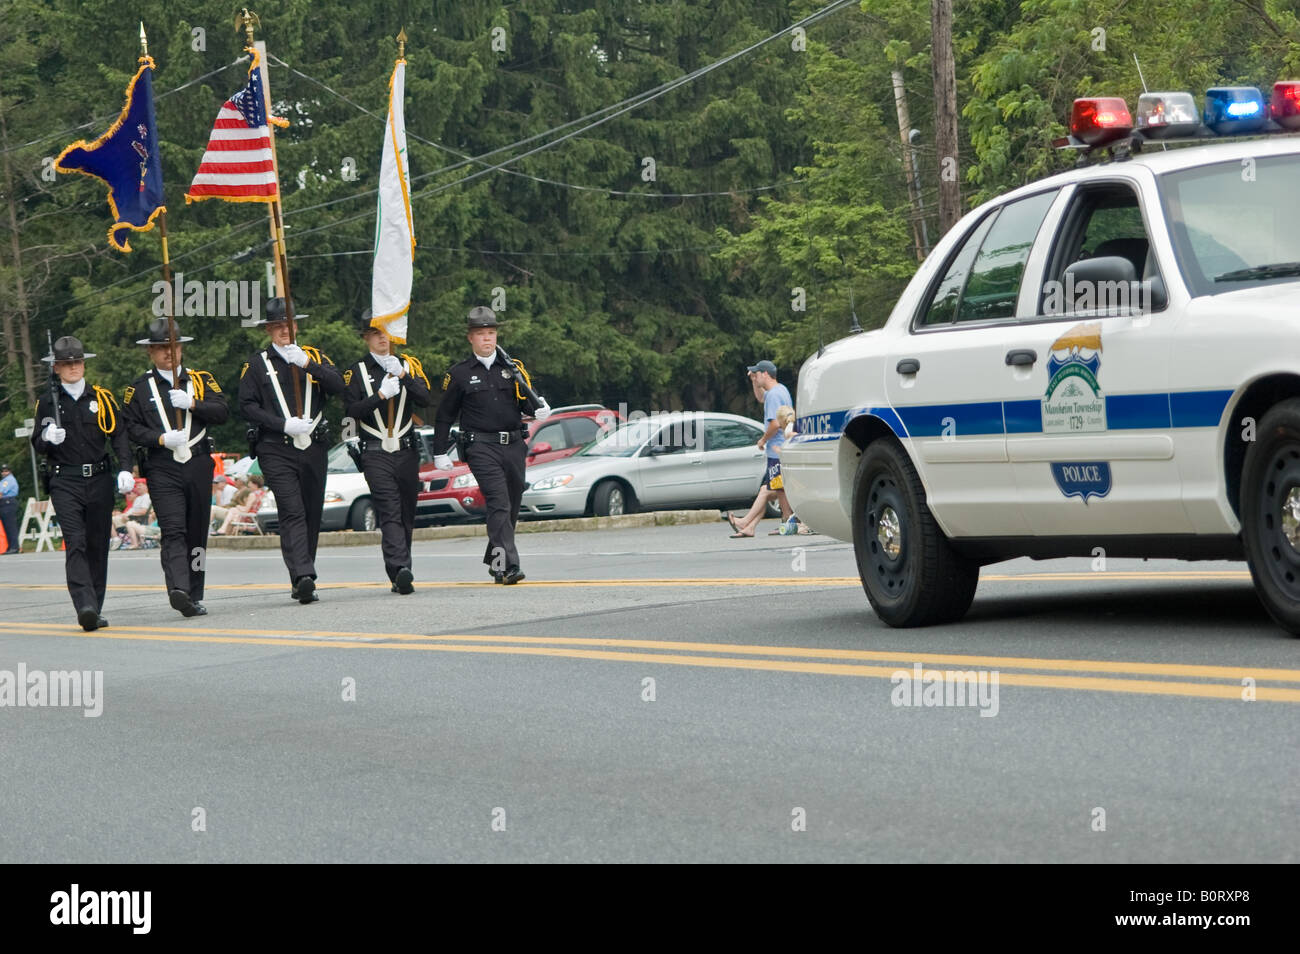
168,418
383,391
290,444
84,446
483,393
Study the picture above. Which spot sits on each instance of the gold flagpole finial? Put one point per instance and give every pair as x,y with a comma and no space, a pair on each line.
144,41
245,21
401,44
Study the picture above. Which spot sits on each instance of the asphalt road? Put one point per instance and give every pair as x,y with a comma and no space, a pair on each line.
517,723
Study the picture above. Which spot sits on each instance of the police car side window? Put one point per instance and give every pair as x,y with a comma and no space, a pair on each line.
943,306
994,283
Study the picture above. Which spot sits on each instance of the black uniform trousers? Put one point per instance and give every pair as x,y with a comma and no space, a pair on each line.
181,495
84,508
499,470
9,520
394,481
297,478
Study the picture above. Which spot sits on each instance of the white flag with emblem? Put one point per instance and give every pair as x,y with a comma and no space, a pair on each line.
390,287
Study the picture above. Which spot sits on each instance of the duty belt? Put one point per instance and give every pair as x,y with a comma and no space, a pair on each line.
80,470
407,443
494,437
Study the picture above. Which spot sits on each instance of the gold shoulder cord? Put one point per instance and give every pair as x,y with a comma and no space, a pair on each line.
527,380
418,369
314,354
197,378
107,409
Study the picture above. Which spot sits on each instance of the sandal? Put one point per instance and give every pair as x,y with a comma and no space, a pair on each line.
732,520
738,535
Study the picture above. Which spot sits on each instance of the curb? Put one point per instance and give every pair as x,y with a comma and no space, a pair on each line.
353,538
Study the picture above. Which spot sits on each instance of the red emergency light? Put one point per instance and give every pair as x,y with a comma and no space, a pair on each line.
1098,120
1285,105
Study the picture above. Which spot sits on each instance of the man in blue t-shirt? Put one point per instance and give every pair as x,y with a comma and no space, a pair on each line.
775,396
9,507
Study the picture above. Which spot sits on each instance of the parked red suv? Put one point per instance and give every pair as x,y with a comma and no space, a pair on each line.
455,494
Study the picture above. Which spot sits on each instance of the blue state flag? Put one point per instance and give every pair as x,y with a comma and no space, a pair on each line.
127,159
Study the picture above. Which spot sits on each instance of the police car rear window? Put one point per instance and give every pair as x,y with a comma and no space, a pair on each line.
1235,224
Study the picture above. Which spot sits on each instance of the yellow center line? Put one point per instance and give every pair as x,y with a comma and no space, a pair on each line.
1085,683
1093,577
321,637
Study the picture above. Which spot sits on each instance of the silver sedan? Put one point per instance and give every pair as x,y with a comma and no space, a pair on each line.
687,459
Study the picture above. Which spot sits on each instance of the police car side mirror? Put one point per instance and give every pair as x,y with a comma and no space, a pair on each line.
1157,295
1103,268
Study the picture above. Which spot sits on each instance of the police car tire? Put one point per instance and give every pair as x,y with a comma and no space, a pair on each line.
362,516
1270,471
928,582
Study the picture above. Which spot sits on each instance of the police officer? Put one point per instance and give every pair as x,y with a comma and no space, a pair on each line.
383,391
168,415
84,446
9,507
290,444
483,393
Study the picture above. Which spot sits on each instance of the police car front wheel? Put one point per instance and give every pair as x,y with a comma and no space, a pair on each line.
1270,513
911,574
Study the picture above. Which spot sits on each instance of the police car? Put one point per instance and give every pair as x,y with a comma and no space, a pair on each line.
1106,360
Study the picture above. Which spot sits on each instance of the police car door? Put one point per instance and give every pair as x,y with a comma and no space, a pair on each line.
1088,434
948,376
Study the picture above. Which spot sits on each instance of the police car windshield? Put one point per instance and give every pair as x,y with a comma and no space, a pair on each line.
623,442
1235,224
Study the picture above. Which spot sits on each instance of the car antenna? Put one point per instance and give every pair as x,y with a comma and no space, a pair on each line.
1163,147
854,327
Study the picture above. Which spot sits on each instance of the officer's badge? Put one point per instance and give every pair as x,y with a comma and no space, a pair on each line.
446,380
94,407
347,376
505,374
474,380
128,394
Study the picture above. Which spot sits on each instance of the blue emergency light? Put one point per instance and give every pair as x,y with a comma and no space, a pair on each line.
1234,109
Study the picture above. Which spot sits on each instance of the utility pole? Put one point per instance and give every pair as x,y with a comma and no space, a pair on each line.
945,113
904,127
19,344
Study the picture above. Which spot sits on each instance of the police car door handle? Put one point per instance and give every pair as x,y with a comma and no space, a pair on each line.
908,366
1022,357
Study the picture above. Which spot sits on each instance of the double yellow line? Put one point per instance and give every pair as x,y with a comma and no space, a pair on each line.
1094,675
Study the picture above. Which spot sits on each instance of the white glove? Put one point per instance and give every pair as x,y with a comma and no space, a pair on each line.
293,426
53,434
174,439
543,412
389,386
295,355
443,462
392,364
125,482
181,400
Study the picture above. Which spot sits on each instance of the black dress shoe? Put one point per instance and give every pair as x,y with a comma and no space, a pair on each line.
181,602
512,576
88,618
402,581
304,590
102,623
498,577
200,609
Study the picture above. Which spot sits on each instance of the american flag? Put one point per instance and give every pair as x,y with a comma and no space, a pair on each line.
238,164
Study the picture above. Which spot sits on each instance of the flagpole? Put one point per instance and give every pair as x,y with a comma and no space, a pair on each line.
401,58
167,273
246,20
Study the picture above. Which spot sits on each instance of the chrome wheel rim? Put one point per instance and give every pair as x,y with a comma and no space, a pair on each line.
889,533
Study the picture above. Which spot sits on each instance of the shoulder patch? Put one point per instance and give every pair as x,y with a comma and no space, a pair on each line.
243,371
128,394
212,381
446,380
347,376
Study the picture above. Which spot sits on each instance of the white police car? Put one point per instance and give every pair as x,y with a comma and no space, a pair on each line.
1107,358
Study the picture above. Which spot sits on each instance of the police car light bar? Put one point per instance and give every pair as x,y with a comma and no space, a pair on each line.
1234,109
1285,105
1165,115
1098,120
